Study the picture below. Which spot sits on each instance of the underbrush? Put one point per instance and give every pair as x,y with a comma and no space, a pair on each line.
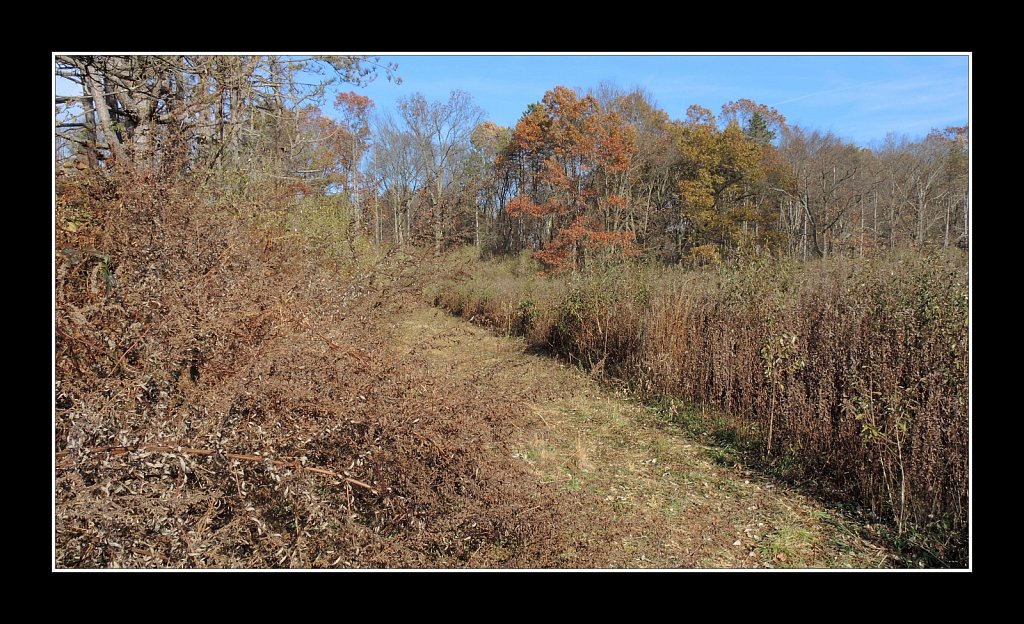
850,375
226,396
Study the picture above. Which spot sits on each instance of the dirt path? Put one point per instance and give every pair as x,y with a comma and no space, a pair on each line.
648,496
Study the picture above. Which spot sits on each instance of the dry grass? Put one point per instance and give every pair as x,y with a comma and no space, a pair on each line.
850,375
644,494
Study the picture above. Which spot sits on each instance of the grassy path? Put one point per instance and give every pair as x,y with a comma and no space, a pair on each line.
648,496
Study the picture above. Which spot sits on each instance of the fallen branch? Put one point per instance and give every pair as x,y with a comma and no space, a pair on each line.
165,448
359,357
305,323
427,438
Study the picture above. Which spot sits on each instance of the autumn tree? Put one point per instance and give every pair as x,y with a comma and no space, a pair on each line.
567,160
316,151
718,172
354,117
711,187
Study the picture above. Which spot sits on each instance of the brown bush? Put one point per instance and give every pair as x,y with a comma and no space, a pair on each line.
195,337
851,374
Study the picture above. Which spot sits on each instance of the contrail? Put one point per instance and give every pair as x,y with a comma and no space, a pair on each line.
803,97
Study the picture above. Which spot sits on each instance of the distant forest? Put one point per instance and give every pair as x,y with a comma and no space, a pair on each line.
581,178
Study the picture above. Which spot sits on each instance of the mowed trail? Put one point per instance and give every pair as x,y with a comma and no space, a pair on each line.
648,495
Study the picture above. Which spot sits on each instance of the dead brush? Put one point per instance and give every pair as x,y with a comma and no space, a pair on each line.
852,375
223,402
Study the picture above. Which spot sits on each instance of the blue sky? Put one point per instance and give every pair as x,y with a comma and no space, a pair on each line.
860,98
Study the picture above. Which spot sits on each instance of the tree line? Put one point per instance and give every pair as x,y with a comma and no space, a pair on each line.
582,177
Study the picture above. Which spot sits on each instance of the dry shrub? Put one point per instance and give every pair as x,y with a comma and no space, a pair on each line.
599,320
195,337
851,374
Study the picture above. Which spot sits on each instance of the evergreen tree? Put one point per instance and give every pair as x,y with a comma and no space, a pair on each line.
757,130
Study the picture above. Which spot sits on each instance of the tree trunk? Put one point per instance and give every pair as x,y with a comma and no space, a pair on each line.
397,221
354,184
90,131
966,207
920,221
380,219
945,238
807,216
874,233
91,87
863,225
438,230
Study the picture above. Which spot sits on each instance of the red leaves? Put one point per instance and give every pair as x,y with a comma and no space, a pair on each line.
581,240
352,105
565,141
616,201
567,153
616,150
521,204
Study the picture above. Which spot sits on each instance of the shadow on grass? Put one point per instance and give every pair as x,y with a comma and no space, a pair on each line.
731,442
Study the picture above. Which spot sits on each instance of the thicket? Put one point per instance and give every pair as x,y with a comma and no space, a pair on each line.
849,373
227,395
227,392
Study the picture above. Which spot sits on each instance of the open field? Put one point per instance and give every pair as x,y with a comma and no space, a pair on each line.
298,327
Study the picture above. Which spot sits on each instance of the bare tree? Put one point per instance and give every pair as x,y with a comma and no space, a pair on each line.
395,167
214,103
441,132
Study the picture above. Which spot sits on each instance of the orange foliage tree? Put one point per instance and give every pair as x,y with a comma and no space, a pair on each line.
324,154
318,152
354,111
567,160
